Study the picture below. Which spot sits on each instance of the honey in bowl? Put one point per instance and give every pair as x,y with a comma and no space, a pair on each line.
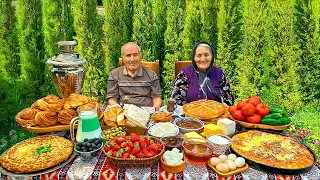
197,151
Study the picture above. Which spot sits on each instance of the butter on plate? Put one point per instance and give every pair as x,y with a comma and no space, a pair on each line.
228,126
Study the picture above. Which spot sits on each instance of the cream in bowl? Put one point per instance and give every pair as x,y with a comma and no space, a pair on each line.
163,129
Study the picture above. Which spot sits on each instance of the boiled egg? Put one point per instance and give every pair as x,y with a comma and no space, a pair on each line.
223,167
240,161
232,157
214,161
223,157
228,160
232,165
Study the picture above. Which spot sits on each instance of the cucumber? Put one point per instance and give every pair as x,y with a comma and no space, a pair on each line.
277,110
270,121
273,116
284,120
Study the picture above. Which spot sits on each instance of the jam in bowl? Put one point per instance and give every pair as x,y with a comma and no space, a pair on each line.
171,142
197,151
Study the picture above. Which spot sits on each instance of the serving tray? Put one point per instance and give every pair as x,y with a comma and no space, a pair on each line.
277,170
12,174
261,126
230,173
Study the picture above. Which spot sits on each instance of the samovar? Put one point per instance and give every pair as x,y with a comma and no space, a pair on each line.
68,73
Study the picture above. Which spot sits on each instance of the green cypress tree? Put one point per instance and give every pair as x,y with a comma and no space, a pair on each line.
57,26
128,11
9,57
209,10
142,32
31,46
114,32
283,53
173,43
229,36
88,27
160,25
192,28
248,63
309,41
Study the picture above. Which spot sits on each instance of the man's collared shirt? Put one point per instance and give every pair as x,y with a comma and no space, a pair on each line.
140,89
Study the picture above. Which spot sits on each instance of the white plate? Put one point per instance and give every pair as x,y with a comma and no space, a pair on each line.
177,111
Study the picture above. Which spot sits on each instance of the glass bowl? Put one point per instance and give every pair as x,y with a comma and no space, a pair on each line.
87,155
220,143
187,124
197,150
107,134
171,142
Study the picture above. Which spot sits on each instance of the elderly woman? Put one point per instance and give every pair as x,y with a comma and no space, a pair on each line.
201,79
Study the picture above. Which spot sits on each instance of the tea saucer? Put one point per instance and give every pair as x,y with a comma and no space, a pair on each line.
178,111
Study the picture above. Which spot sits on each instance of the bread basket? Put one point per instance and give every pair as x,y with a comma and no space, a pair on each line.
125,163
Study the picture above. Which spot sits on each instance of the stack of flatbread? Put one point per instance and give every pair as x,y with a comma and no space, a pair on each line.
130,115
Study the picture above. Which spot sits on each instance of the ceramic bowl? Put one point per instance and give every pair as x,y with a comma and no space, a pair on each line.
173,168
190,124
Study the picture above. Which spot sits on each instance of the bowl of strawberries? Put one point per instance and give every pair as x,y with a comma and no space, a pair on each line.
133,151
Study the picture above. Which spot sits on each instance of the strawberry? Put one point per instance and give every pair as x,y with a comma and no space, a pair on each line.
119,153
109,153
124,145
114,153
132,156
125,155
121,139
147,140
116,147
116,140
112,143
146,153
107,148
130,144
142,143
139,155
136,144
153,153
135,150
153,147
127,149
134,137
160,146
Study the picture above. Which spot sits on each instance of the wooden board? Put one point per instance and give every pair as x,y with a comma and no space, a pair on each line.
230,173
23,175
261,126
60,127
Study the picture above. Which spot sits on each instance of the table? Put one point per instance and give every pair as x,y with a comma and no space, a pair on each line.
99,168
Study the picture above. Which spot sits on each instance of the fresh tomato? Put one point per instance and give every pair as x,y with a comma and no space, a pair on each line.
255,119
262,110
238,115
232,109
241,104
255,100
248,109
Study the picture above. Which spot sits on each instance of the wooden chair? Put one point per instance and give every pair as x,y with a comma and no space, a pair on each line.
154,66
178,65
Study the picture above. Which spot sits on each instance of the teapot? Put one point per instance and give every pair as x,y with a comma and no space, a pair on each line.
88,124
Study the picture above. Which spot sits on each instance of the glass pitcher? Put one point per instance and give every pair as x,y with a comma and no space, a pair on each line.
88,124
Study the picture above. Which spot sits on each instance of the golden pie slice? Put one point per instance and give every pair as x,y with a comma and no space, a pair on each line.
36,154
204,109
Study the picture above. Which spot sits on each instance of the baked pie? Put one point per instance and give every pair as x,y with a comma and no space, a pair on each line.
204,109
36,154
160,116
25,118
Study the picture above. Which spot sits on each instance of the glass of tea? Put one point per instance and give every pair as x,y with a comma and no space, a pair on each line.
197,150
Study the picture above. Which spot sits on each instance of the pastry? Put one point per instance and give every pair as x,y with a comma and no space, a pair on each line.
75,100
121,120
160,116
25,118
66,115
204,109
36,154
92,105
46,118
48,103
111,115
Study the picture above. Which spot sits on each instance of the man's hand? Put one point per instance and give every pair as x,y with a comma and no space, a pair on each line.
113,101
157,101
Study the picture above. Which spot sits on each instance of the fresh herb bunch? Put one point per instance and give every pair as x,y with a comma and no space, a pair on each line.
42,149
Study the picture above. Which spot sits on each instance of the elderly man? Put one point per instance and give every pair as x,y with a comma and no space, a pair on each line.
138,83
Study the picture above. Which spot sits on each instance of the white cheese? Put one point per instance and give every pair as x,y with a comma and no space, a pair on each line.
163,129
228,126
173,157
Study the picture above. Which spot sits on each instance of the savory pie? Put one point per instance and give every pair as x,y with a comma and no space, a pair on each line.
272,150
204,109
36,154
